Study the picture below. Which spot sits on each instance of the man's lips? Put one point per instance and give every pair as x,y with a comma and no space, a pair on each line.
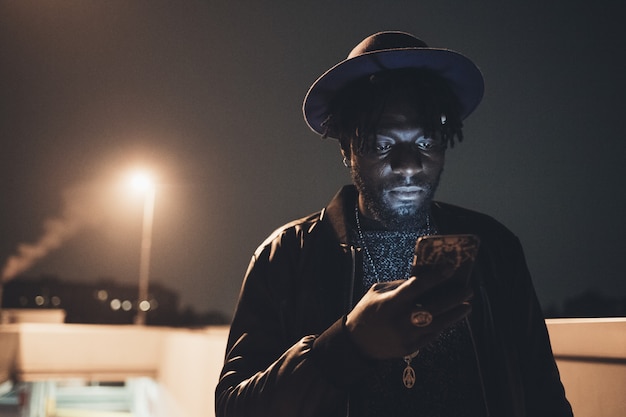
406,192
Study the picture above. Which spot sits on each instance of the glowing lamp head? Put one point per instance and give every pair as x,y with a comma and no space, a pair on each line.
142,181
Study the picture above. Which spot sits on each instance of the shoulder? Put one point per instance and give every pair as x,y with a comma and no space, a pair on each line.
292,234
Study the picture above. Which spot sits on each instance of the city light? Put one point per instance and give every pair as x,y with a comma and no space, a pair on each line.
142,181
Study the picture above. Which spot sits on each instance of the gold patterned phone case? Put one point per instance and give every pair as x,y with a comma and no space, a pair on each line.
454,255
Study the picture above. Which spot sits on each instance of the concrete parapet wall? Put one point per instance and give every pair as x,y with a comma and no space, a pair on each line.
591,354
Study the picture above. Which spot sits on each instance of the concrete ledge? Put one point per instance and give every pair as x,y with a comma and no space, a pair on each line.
591,355
592,338
93,352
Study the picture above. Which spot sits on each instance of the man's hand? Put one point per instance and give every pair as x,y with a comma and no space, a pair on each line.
381,326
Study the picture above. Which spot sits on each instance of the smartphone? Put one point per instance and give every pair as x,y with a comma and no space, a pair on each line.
448,256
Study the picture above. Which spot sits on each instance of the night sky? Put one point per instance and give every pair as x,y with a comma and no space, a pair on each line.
208,95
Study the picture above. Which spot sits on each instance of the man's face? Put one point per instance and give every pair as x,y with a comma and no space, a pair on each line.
397,178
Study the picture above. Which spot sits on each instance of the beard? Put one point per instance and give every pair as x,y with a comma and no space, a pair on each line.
405,217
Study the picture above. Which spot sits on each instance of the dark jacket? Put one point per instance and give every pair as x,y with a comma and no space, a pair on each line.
289,355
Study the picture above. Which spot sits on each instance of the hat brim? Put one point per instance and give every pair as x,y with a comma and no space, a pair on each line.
464,76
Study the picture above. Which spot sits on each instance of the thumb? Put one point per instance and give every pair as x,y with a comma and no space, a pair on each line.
387,286
407,290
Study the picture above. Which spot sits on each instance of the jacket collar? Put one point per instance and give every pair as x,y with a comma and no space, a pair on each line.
338,213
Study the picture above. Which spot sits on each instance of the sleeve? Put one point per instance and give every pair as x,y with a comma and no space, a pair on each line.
544,395
268,371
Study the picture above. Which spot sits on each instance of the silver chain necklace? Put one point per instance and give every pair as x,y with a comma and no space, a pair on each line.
408,375
428,231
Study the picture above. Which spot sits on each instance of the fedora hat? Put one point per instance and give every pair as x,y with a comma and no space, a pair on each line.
387,51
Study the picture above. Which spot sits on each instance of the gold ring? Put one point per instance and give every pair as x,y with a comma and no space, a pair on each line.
421,318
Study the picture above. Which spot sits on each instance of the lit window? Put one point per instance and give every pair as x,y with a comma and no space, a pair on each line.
116,304
126,305
39,300
102,295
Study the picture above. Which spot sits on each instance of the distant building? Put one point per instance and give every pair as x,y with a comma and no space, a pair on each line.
103,302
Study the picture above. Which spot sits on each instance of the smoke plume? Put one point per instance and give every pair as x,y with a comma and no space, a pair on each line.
80,209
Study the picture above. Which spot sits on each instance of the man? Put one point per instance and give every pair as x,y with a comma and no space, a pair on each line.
329,320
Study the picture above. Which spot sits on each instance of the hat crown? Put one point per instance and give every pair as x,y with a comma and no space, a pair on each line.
386,40
391,50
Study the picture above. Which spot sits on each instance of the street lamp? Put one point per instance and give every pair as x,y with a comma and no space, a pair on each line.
143,182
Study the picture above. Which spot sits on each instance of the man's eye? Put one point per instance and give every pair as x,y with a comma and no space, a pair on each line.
428,144
383,147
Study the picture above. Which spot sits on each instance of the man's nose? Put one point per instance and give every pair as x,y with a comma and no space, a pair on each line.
406,161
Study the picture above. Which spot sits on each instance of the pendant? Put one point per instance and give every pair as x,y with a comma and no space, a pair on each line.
408,375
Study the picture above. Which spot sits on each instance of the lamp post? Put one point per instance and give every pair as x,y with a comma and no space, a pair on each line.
144,182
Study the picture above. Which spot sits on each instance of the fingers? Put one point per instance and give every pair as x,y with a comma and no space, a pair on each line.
442,302
423,335
429,320
442,312
389,312
430,276
401,294
404,289
387,286
444,320
415,286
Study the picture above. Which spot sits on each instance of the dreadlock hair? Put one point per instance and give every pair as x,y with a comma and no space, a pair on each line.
356,110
